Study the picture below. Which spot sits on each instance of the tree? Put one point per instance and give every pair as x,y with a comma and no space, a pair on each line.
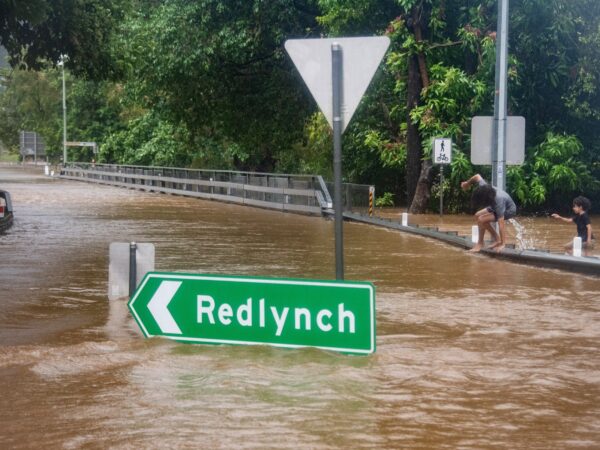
450,36
219,69
31,101
37,30
552,174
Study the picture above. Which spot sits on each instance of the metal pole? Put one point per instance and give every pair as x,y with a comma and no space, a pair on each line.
132,268
64,105
500,98
336,72
441,190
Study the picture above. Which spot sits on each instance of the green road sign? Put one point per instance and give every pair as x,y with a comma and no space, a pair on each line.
332,315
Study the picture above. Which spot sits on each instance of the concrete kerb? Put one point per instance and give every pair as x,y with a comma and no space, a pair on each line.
541,258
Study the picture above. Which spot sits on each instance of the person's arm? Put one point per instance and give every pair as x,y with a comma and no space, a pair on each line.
473,180
564,219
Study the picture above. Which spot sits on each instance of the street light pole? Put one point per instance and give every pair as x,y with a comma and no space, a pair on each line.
500,98
64,105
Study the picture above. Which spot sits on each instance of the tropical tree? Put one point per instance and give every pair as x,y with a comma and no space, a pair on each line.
37,31
440,60
31,101
553,174
218,69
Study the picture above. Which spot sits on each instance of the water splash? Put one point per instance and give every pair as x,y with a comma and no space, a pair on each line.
523,240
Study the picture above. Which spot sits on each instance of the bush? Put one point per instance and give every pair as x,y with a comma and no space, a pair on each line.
387,199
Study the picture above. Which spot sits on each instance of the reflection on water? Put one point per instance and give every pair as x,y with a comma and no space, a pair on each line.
472,352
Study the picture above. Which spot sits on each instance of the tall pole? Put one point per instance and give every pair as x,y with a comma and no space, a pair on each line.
336,72
441,190
500,98
64,105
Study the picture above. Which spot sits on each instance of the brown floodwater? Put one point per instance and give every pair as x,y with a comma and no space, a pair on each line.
472,352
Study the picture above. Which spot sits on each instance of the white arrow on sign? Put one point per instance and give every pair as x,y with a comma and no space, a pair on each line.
361,58
158,306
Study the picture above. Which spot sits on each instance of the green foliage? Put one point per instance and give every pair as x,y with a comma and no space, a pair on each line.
448,103
461,167
555,46
391,154
148,141
387,199
208,83
356,17
37,31
311,155
552,174
220,69
31,101
447,107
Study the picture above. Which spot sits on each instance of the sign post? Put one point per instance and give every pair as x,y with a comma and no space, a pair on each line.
337,72
500,98
128,263
83,144
336,83
331,315
61,63
442,155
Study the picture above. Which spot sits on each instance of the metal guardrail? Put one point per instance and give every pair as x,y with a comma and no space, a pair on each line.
355,197
298,193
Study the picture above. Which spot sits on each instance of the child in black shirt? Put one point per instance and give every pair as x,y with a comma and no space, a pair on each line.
581,219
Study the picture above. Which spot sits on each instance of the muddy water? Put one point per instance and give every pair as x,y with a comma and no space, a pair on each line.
472,352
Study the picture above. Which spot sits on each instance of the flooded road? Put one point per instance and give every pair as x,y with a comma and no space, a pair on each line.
472,352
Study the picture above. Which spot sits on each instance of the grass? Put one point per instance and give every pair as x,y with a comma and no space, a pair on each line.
9,158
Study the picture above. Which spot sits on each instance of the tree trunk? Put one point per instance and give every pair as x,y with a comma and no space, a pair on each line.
422,185
423,191
421,56
414,153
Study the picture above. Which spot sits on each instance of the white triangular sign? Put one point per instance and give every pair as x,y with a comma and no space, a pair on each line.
361,57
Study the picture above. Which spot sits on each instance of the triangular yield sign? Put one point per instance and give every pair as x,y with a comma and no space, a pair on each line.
361,57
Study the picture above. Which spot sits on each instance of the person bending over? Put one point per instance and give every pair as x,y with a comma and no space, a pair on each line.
581,206
492,205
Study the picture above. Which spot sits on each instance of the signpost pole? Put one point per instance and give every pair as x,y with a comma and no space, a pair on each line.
442,155
338,93
500,99
441,190
336,72
132,268
64,106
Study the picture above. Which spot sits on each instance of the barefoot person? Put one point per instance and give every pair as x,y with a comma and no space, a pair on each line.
492,205
581,206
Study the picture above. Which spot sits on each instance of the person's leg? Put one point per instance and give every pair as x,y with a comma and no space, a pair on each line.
587,248
495,237
483,219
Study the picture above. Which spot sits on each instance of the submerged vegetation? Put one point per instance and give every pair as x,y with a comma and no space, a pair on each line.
207,84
